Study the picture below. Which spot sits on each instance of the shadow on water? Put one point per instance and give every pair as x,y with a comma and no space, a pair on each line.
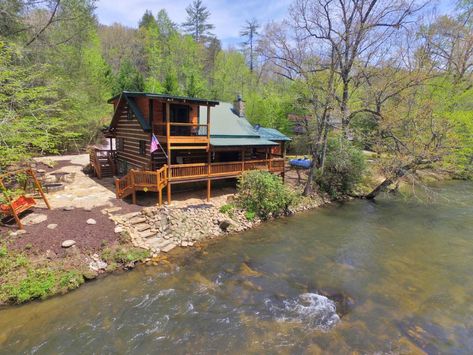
390,277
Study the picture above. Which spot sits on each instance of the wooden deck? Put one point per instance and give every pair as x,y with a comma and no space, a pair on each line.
146,180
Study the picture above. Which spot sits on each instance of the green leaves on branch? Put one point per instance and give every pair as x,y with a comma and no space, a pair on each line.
264,194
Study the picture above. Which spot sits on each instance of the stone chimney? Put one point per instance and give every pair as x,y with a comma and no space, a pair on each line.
239,106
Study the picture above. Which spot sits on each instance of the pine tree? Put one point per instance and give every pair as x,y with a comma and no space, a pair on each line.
147,20
128,78
196,23
166,26
249,32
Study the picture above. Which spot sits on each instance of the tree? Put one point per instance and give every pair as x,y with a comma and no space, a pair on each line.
249,33
165,25
197,21
147,20
128,78
354,31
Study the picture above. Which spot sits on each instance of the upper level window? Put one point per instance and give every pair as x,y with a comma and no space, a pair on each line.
142,147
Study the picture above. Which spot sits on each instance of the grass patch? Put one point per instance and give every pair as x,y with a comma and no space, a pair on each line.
228,209
121,255
22,281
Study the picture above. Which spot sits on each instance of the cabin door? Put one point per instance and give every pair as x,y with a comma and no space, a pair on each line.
180,114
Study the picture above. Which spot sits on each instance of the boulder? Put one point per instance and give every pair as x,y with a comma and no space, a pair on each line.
68,243
52,226
34,218
118,229
91,221
225,224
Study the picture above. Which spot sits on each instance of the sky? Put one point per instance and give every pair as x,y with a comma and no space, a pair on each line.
228,16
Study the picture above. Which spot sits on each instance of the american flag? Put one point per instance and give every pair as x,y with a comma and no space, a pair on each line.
154,144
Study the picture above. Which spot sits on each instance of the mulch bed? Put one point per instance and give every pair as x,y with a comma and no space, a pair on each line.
71,225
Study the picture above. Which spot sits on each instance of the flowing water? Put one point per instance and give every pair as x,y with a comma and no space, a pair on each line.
394,276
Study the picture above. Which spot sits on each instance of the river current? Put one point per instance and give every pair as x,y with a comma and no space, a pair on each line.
395,276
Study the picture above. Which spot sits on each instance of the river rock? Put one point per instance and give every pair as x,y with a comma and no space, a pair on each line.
90,274
68,243
97,265
225,224
118,229
34,218
52,226
68,208
91,221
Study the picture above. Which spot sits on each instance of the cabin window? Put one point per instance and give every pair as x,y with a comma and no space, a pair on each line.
142,147
120,144
129,114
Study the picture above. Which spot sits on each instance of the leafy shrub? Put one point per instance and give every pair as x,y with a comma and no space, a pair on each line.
227,209
124,255
250,215
343,169
39,283
263,193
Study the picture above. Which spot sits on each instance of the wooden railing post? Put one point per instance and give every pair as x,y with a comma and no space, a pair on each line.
132,178
117,188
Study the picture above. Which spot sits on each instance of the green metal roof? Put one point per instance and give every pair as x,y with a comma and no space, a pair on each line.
224,122
166,97
242,141
271,134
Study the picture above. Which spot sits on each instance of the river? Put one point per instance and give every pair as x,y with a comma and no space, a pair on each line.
395,276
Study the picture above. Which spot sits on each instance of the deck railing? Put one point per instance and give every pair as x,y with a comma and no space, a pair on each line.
201,170
142,180
181,129
102,158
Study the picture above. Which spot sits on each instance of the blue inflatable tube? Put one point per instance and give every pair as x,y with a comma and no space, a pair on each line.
300,163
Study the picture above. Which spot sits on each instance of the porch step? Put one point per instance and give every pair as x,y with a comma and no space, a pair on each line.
137,220
147,234
142,227
163,245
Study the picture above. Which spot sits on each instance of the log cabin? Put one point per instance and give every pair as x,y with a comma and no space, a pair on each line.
199,140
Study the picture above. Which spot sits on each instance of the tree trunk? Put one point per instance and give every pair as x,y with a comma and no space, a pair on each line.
399,173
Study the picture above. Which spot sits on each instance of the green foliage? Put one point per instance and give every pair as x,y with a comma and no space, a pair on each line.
263,193
38,283
197,21
129,78
124,255
343,169
20,281
228,209
250,215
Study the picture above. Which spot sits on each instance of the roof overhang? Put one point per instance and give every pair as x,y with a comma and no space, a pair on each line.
165,97
238,142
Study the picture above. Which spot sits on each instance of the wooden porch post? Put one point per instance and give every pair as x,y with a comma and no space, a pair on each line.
132,177
168,141
208,127
243,160
209,157
283,152
269,157
209,172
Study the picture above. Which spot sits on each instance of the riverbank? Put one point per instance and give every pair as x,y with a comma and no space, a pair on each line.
32,268
89,234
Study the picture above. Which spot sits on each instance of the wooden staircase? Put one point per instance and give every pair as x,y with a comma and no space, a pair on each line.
103,162
142,180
